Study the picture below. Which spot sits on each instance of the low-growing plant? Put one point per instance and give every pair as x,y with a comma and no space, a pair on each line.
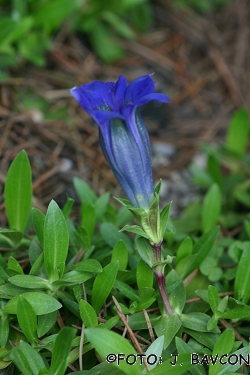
84,297
27,27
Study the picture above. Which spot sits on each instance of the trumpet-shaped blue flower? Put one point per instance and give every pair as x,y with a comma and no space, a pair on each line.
124,139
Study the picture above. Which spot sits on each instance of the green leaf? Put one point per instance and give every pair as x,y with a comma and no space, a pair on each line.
138,321
183,347
46,322
50,15
228,368
27,359
30,282
177,292
42,303
111,235
242,278
18,192
14,267
182,366
13,235
68,207
88,314
83,191
144,275
196,321
184,249
145,251
100,206
156,349
27,320
127,290
213,298
201,249
222,346
104,44
4,330
72,278
168,326
88,218
237,135
120,253
56,241
61,351
141,305
211,208
21,28
107,342
204,338
88,265
236,310
212,323
82,237
103,284
37,265
118,24
214,169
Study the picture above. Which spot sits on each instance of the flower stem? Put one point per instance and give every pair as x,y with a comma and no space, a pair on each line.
163,293
160,278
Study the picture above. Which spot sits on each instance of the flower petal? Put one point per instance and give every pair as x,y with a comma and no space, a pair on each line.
154,96
127,156
96,95
140,135
139,87
119,92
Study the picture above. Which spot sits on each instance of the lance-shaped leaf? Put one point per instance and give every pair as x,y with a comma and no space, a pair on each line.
18,192
56,242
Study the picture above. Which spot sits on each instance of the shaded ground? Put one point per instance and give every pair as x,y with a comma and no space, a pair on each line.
200,61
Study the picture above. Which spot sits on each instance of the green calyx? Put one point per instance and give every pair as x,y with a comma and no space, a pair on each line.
152,222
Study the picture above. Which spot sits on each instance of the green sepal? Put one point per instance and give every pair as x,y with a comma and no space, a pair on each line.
124,202
164,215
152,222
158,188
134,229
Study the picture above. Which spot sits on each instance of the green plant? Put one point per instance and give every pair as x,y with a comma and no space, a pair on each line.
27,27
64,308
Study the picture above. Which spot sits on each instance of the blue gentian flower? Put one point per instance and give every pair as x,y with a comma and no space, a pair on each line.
124,139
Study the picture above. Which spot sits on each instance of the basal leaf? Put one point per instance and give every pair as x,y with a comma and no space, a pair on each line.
42,303
242,278
27,320
222,346
88,314
56,241
27,359
211,208
107,342
237,135
103,284
168,326
120,253
61,351
38,219
18,192
144,275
